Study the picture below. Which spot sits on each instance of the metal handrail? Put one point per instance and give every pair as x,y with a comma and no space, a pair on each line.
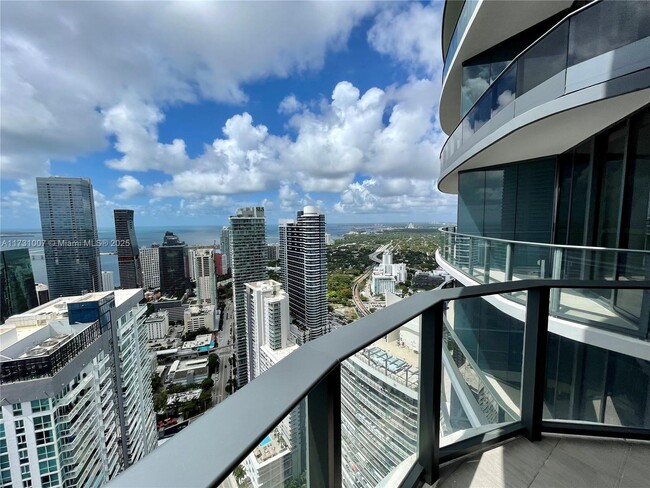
516,58
445,230
208,450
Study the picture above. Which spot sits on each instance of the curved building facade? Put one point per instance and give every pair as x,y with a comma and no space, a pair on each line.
549,153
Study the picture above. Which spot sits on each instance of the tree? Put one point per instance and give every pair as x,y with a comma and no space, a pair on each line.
207,384
160,401
213,363
239,473
156,383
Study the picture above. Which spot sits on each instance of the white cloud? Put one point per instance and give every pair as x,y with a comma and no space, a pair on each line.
64,64
410,35
344,138
290,105
130,187
397,195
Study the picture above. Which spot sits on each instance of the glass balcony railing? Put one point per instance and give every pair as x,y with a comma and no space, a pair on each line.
383,401
461,26
575,54
490,260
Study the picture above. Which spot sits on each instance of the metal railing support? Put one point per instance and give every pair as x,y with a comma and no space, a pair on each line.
470,263
534,362
429,391
324,432
556,274
486,259
509,255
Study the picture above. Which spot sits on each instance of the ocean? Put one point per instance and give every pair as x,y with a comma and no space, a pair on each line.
193,236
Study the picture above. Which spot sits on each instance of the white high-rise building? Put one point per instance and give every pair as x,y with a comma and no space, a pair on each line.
303,254
150,260
63,422
267,320
249,258
225,249
281,458
108,284
204,274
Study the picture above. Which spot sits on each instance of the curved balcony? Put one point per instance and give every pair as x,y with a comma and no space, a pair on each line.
469,7
244,426
491,260
602,42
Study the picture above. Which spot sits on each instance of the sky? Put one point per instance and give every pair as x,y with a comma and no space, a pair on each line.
186,111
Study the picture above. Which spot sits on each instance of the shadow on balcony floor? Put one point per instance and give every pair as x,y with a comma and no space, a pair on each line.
554,462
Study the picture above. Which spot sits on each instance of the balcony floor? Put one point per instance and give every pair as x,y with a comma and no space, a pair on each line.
554,462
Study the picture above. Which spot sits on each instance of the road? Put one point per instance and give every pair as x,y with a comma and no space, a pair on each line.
362,310
224,350
356,297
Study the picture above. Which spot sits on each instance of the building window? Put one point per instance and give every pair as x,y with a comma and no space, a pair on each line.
49,480
44,422
45,452
23,456
48,466
24,472
5,477
17,409
44,437
40,405
20,426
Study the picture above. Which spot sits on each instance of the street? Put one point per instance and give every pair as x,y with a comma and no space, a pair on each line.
224,350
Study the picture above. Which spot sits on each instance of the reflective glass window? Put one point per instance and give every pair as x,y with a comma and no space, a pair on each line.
605,27
543,60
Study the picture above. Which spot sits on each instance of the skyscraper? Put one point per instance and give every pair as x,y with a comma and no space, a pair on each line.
248,251
150,260
69,227
225,249
128,252
63,422
303,254
205,275
18,287
108,283
174,270
549,155
267,320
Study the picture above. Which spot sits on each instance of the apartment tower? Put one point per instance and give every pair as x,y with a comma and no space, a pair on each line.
128,252
303,255
150,259
248,251
204,274
225,249
69,227
548,120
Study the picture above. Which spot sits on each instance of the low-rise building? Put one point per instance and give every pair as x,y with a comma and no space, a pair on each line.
197,316
157,325
188,372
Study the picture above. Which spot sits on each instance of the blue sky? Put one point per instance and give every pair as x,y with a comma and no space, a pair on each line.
186,111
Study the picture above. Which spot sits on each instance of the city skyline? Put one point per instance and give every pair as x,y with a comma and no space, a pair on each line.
339,111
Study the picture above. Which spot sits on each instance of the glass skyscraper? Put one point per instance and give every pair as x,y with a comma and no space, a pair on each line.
69,227
303,257
249,258
128,252
174,270
18,288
